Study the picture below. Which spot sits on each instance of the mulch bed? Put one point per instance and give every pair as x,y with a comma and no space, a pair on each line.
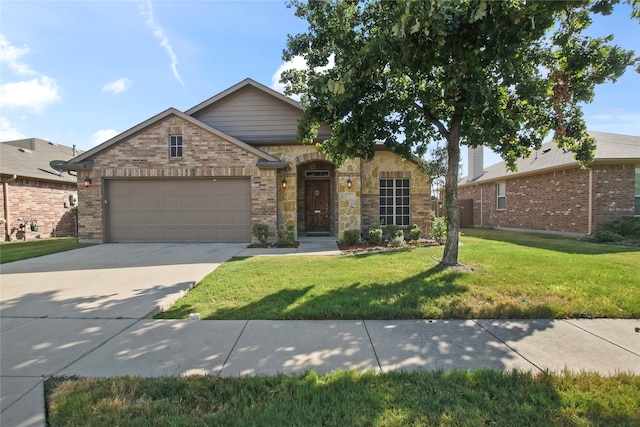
271,245
384,246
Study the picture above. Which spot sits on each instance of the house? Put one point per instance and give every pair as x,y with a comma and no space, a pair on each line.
35,197
550,192
211,173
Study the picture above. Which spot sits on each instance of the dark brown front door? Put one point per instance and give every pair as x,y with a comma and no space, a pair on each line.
317,206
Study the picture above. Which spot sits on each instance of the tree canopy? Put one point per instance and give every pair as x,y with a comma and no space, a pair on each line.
404,73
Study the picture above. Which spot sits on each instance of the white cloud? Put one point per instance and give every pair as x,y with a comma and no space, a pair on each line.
158,32
297,63
8,132
34,94
117,86
11,55
102,135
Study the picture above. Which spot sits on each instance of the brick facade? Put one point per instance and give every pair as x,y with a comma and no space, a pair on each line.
43,201
556,201
146,155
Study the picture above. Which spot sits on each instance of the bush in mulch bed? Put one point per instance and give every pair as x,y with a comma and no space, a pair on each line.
365,246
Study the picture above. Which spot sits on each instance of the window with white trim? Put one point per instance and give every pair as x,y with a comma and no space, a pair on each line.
394,202
501,196
637,192
175,146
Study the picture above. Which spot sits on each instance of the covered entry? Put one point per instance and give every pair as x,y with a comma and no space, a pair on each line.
178,210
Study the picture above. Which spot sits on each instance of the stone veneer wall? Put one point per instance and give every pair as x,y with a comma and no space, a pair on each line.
146,155
388,165
348,200
43,201
557,201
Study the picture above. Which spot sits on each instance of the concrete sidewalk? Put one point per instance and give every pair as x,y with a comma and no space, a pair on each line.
97,324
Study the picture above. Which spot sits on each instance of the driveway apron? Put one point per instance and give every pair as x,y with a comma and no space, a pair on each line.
57,309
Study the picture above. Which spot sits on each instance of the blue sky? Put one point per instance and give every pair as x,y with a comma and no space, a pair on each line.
80,72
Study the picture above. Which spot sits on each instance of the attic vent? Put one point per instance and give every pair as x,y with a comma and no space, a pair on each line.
24,150
546,150
51,143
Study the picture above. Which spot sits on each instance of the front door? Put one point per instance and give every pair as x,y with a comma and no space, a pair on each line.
316,206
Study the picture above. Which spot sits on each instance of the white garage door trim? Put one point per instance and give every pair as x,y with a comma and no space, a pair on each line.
178,210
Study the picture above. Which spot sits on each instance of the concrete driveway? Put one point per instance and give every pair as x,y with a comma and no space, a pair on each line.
58,308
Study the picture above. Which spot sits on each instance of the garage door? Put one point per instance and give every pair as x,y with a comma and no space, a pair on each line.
178,210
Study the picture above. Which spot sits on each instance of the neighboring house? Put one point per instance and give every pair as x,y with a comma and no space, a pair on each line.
33,191
550,192
213,172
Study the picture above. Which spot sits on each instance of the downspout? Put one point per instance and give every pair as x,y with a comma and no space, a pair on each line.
590,212
481,208
5,199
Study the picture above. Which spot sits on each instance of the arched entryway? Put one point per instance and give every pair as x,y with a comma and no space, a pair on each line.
317,199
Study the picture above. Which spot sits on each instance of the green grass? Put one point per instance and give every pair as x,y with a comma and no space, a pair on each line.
505,275
348,398
18,250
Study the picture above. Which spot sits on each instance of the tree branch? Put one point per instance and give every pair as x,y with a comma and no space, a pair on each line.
433,119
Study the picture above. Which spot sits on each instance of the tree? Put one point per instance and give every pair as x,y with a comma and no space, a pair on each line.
405,73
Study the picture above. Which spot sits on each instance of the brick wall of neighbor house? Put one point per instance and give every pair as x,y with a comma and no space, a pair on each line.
556,201
44,202
613,193
385,164
146,155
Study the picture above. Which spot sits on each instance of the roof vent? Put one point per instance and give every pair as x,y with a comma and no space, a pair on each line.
24,150
546,150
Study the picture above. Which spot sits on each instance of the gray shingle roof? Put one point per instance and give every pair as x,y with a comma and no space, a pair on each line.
609,147
29,158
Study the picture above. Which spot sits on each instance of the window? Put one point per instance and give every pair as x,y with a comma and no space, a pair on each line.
394,201
175,146
637,192
501,192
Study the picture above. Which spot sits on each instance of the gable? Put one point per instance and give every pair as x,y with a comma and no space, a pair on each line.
255,114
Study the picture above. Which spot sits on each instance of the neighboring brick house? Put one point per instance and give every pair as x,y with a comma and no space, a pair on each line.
32,190
550,192
211,173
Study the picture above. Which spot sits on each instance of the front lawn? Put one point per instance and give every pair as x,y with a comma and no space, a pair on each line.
18,250
348,398
505,275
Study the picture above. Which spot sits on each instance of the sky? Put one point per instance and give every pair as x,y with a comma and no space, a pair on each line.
80,72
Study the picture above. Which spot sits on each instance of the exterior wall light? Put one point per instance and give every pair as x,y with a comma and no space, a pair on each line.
88,182
284,183
349,183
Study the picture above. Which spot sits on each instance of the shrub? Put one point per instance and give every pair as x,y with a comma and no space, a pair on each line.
438,228
375,234
396,235
625,226
351,238
415,232
607,236
286,236
261,231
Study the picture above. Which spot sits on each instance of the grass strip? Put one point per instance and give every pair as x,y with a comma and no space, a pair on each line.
460,398
19,250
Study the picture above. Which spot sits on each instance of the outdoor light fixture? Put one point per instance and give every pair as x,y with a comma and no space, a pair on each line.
284,183
88,182
349,183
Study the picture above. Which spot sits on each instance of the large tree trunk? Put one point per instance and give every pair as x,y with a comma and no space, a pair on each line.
451,212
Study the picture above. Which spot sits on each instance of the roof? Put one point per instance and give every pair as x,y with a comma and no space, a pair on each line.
265,157
610,147
29,158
